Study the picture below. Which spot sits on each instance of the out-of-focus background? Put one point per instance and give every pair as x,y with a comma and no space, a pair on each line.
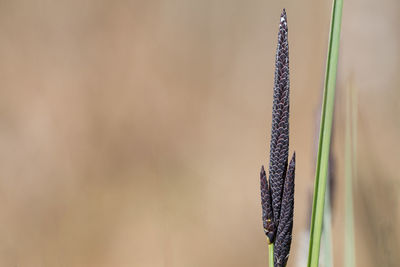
132,132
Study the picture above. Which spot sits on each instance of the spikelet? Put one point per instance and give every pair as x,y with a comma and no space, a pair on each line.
279,146
277,192
284,233
266,203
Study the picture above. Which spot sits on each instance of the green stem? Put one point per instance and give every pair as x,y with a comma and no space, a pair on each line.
271,255
325,135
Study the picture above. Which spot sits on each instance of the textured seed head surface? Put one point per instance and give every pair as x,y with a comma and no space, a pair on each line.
277,192
284,233
279,145
266,203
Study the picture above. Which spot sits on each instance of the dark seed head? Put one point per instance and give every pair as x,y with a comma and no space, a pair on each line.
277,192
284,233
279,145
266,203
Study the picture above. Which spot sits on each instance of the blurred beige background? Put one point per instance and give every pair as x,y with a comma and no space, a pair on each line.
132,132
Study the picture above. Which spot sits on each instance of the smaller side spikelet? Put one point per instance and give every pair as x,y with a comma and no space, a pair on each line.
266,203
284,233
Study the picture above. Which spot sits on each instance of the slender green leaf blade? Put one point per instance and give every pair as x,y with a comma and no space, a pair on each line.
325,135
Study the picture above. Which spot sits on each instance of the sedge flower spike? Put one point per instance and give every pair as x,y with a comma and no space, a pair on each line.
277,193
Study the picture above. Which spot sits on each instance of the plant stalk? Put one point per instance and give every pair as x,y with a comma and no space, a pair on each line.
325,135
271,255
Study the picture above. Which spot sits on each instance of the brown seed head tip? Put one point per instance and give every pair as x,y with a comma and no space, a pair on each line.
293,160
283,17
263,179
262,169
